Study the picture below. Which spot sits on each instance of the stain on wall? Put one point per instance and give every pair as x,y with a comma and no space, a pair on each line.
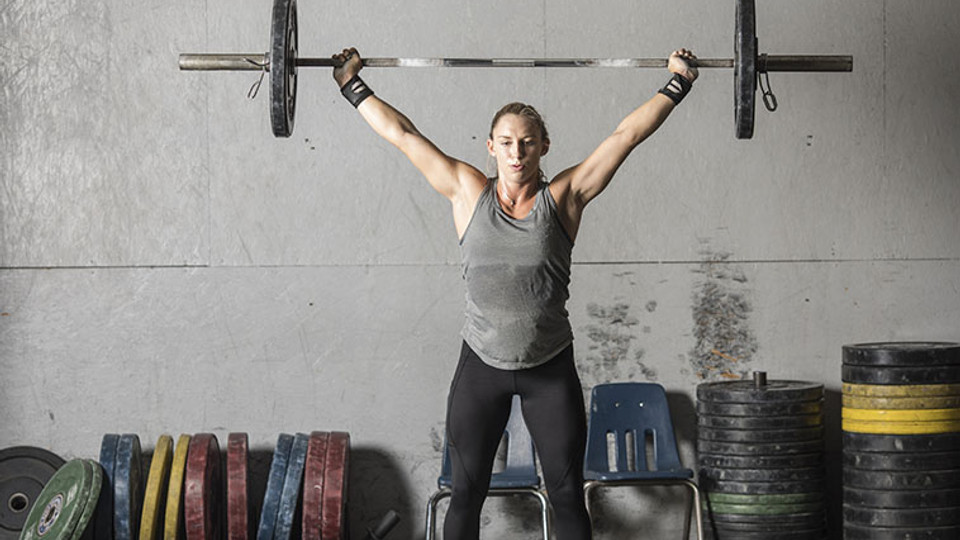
724,341
612,355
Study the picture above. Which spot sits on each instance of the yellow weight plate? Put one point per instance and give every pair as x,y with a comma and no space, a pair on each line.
900,415
173,517
901,390
901,428
157,481
935,402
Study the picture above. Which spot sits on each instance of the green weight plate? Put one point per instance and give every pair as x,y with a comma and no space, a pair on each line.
857,478
897,403
764,449
898,461
61,503
763,475
785,498
854,532
84,528
761,488
745,72
865,442
24,470
789,408
902,354
761,435
764,527
901,390
283,67
766,509
760,422
746,392
923,498
760,462
902,517
900,375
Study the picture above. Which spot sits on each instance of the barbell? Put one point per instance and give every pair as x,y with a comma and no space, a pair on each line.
282,63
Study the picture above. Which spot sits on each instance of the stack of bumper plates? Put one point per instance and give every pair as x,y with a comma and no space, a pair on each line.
65,506
901,441
760,452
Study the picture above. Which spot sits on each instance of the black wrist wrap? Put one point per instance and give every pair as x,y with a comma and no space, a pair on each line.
356,91
677,88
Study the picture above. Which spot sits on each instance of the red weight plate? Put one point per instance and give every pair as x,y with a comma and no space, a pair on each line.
238,508
334,506
313,484
202,488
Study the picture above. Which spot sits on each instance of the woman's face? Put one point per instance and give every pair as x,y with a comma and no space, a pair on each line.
517,147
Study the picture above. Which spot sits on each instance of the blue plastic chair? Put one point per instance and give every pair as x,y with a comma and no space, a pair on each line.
519,476
632,412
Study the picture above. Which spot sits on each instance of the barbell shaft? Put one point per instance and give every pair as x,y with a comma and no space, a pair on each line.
257,62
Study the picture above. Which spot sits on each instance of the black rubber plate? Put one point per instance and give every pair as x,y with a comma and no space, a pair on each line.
761,435
894,480
901,517
924,498
760,409
865,442
283,67
745,68
760,462
24,470
900,375
853,532
760,422
902,354
746,392
763,475
889,461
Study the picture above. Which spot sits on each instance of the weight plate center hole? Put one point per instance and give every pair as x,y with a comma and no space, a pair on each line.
18,502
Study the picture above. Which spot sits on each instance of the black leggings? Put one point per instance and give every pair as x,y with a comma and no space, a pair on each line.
477,411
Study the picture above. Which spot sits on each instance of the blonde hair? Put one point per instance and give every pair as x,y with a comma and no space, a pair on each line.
524,111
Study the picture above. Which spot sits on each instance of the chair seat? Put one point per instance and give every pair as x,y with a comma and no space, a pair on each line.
501,481
679,474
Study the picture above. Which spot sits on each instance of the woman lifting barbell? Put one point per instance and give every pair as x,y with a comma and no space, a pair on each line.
516,234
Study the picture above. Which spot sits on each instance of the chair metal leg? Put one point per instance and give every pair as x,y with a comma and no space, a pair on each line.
431,525
695,492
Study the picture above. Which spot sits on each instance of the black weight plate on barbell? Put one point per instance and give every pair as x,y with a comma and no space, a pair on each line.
789,408
283,67
746,392
763,475
901,517
948,479
24,470
760,462
810,520
756,449
900,461
761,435
745,68
881,498
760,422
866,442
902,354
887,375
761,488
854,532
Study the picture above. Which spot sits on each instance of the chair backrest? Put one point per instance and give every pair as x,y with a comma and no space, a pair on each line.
630,413
520,459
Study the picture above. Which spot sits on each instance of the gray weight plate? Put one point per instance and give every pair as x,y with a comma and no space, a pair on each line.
893,480
756,449
902,354
763,475
283,67
762,488
923,498
271,497
865,442
746,392
761,462
891,461
292,484
745,68
716,531
809,520
895,375
789,408
854,532
761,435
760,422
127,488
901,517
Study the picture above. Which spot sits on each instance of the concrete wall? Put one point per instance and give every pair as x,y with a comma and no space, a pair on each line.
168,266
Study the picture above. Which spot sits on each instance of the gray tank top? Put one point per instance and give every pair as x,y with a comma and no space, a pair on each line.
517,272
